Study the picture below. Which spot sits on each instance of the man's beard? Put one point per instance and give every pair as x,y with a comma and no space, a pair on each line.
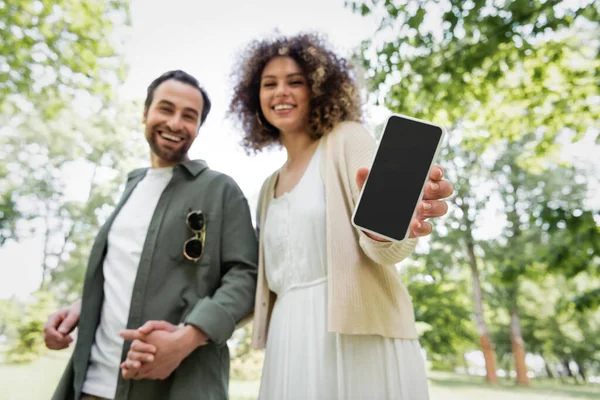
173,156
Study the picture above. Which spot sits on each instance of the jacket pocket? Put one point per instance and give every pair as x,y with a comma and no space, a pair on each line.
180,233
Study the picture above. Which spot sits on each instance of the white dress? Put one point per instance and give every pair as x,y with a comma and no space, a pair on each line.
303,360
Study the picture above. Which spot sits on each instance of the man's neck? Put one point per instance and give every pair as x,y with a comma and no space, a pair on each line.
157,162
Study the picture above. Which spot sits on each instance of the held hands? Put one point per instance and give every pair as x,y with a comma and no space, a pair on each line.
59,326
431,206
157,349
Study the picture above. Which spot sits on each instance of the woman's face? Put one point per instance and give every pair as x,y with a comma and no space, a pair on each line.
284,95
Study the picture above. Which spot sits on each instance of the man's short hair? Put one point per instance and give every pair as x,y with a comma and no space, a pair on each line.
183,77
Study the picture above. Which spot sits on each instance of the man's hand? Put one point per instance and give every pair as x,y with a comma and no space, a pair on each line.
158,348
431,206
59,326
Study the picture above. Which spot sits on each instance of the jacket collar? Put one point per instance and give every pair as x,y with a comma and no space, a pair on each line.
192,167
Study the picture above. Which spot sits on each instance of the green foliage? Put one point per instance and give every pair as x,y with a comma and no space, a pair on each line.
52,49
442,364
9,313
508,79
561,334
28,343
44,157
443,306
246,363
444,299
8,209
589,300
52,53
571,241
576,234
503,69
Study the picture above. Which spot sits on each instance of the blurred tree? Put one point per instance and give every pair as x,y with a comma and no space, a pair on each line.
515,253
29,326
246,363
455,251
506,76
51,53
555,330
572,247
471,198
9,313
441,303
8,210
49,50
67,172
535,63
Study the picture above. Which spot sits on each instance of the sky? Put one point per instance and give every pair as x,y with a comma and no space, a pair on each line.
203,38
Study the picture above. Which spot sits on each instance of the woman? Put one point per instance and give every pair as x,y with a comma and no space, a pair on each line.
339,322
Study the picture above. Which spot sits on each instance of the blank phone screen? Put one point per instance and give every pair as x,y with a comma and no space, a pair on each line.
399,171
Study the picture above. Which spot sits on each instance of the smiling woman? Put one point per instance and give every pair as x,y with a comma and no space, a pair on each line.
284,95
338,320
308,65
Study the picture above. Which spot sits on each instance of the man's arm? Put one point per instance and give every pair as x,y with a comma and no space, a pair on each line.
217,316
159,347
59,326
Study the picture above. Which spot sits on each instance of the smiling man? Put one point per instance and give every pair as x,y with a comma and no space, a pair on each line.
179,252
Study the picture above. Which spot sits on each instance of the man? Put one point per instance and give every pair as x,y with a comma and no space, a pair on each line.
179,249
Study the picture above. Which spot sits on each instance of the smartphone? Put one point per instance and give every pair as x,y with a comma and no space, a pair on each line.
405,154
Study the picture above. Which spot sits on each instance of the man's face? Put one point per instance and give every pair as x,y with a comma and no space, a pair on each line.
172,121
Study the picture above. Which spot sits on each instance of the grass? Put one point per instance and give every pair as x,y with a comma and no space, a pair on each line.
37,380
32,381
448,386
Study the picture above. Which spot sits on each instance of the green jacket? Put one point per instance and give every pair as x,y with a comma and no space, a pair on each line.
213,294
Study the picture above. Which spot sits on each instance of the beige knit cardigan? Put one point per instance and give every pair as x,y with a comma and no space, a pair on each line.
364,291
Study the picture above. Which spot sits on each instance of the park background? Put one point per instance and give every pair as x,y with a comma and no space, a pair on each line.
507,289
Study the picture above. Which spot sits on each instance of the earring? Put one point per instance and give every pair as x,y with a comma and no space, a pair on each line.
258,119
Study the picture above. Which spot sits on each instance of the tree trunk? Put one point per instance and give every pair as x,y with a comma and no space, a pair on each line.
516,337
567,368
562,378
61,254
518,347
46,256
581,369
507,368
484,338
547,367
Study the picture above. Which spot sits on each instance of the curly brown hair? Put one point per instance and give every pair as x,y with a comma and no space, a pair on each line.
334,93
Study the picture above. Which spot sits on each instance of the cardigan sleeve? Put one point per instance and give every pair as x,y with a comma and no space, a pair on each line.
358,148
259,205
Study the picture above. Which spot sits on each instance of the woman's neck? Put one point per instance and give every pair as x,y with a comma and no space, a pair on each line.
299,146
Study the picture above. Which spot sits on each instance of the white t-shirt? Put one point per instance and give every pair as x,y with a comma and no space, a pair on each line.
125,244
